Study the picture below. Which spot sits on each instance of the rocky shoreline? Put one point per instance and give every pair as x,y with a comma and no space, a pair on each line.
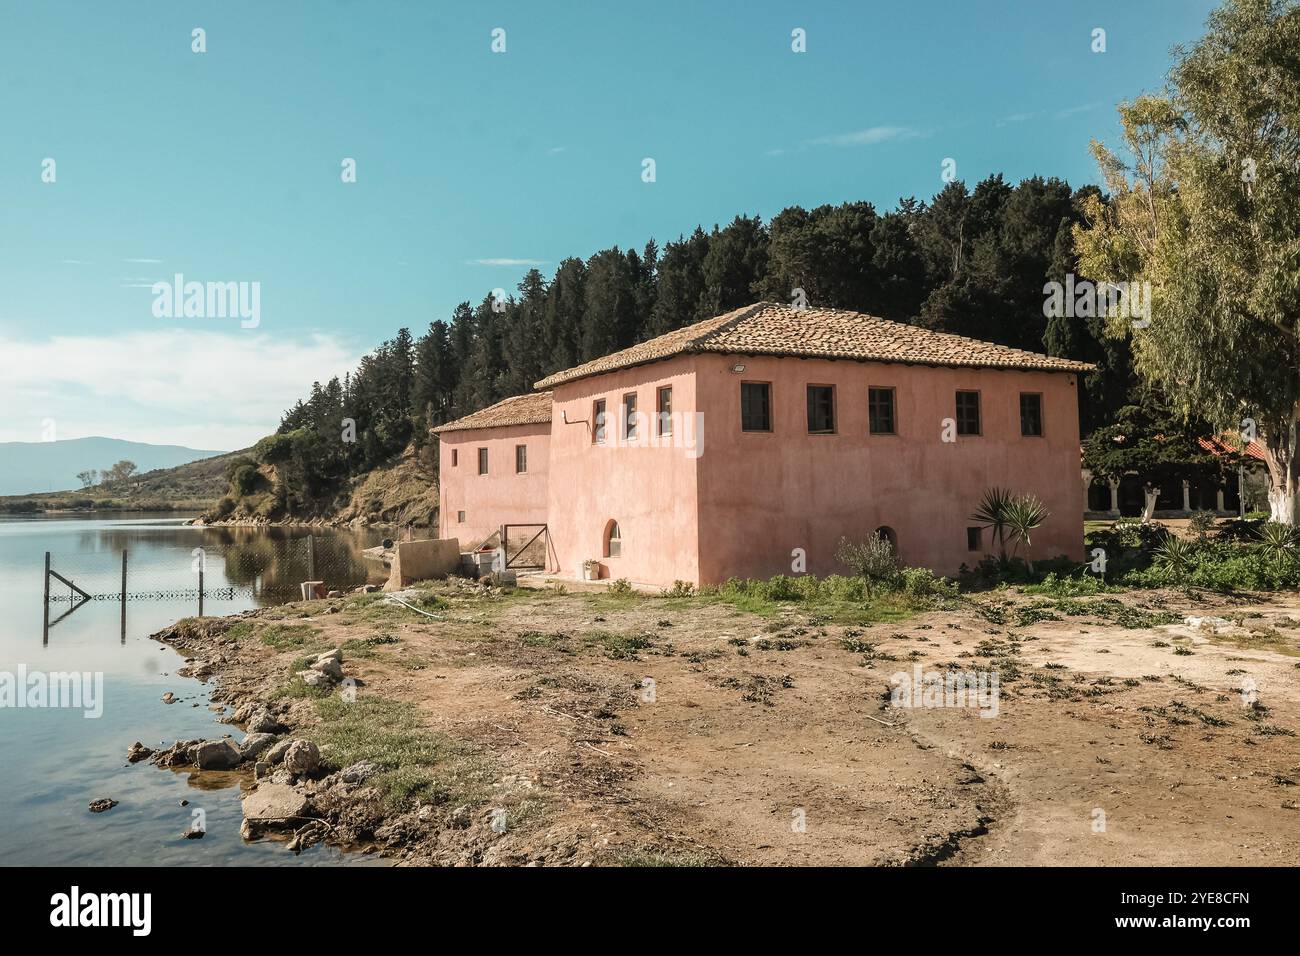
296,794
202,521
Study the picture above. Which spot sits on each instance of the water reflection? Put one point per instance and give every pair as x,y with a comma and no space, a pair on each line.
56,761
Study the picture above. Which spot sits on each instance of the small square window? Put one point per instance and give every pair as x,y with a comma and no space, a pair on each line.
974,539
482,461
460,517
1031,414
521,459
665,401
755,407
821,409
629,416
968,413
598,416
880,411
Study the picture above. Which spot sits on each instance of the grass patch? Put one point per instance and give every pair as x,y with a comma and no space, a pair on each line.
553,639
363,647
296,689
285,637
240,630
654,858
618,646
1260,640
415,762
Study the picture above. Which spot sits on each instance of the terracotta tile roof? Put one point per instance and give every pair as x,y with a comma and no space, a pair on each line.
1230,444
767,328
531,409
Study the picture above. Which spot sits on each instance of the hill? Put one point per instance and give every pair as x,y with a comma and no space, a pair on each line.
400,492
194,486
53,466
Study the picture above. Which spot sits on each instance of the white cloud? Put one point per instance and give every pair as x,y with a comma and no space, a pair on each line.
1074,110
866,137
871,136
206,389
506,262
1016,118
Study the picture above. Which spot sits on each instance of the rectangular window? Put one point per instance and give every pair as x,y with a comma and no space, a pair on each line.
755,407
482,461
973,536
455,457
968,413
460,517
598,416
521,459
880,411
629,416
666,410
821,409
1031,414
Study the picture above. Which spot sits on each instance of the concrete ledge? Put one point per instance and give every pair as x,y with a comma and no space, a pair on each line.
421,560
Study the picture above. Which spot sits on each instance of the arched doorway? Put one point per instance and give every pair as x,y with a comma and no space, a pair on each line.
613,540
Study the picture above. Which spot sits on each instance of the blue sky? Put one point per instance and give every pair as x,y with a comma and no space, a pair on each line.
471,165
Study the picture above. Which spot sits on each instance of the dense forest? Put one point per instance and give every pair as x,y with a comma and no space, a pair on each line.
973,262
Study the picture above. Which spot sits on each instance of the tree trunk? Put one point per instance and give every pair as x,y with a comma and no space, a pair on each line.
1149,508
1280,455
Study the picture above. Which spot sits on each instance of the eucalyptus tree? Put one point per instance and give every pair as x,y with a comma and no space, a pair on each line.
1204,214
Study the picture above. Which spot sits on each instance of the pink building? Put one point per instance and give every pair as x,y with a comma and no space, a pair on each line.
749,444
492,468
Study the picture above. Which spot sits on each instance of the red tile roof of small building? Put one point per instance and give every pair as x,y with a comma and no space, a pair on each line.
767,328
1228,444
531,409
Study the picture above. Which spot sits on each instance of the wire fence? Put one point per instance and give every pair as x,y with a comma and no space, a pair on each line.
268,569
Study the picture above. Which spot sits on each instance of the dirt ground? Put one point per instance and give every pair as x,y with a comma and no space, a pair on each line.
641,729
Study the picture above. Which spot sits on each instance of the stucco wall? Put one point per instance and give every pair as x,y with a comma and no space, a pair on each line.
499,497
761,495
650,491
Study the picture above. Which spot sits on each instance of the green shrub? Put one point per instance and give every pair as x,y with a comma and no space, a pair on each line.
874,559
1069,585
1175,556
1224,566
921,586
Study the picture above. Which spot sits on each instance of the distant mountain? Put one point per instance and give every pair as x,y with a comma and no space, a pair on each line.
35,467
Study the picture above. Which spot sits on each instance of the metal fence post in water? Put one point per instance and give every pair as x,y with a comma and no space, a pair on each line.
311,558
124,595
200,588
45,634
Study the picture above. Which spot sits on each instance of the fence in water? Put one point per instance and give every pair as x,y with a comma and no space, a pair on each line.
261,570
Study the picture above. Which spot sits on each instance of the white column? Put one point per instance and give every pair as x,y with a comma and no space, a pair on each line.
1187,495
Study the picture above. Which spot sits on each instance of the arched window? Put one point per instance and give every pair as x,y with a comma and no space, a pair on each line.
613,540
888,533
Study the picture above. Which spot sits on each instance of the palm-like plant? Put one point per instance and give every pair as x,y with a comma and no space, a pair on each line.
992,513
1023,515
1175,555
1279,542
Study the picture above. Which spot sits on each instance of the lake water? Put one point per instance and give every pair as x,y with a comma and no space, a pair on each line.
55,760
